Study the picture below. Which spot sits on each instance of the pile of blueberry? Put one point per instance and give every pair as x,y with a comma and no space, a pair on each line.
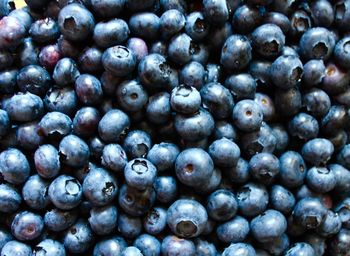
175,128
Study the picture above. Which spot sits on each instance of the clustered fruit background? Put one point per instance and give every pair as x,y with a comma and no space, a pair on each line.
173,127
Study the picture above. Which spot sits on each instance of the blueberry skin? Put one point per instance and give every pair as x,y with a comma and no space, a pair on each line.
49,247
264,167
342,176
171,22
110,246
340,243
322,18
205,248
34,192
238,174
65,72
55,124
159,47
103,220
138,47
21,249
4,122
185,99
278,245
86,121
6,59
5,236
6,7
136,202
27,226
282,137
331,225
217,99
268,40
236,249
300,249
196,126
109,33
260,71
173,245
268,226
62,100
107,9
252,199
224,129
46,160
137,143
247,115
88,89
341,11
49,56
74,151
288,102
216,12
44,31
23,15
155,221
76,22
343,156
314,72
236,53
100,187
341,53
300,23
246,18
78,238
12,32
114,157
224,153
321,179
58,220
10,199
286,71
163,155
335,80
179,5
234,230
65,192
8,81
303,126
317,151
90,60
317,102
148,245
132,251
14,166
267,106
193,74
196,26
119,60
292,169
166,189
129,226
145,25
309,212
140,173
317,43
336,119
221,205
34,79
278,19
282,199
131,96
113,125
242,86
194,166
181,48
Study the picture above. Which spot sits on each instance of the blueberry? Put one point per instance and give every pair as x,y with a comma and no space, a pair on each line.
342,176
331,225
246,18
20,248
292,169
342,14
49,56
309,213
119,60
335,80
140,173
286,71
8,81
58,220
74,151
129,226
224,129
224,152
137,143
260,71
114,157
159,47
304,126
181,48
282,137
278,19
5,236
300,249
113,125
55,124
148,245
185,99
65,192
282,199
49,247
317,151
109,33
213,73
343,156
76,22
132,251
103,220
79,237
205,248
321,179
12,32
62,100
234,230
277,246
145,25
266,104
136,202
10,199
108,9
110,246
44,31
34,79
4,122
340,243
336,119
99,187
236,249
90,60
138,47
163,155
300,23
35,192
166,189
65,72
155,221
288,102
222,205
27,226
239,173
268,40
216,12
171,22
196,26
242,85
86,121
131,96
247,115
236,53
317,102
252,199
179,5
264,167
193,74
23,15
14,166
